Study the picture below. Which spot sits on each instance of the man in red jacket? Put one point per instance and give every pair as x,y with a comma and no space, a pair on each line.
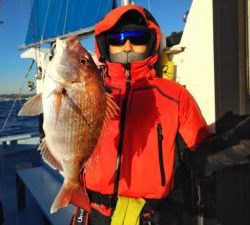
137,151
136,156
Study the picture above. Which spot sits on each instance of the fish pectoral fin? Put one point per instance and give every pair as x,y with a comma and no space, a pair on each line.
58,102
48,157
32,107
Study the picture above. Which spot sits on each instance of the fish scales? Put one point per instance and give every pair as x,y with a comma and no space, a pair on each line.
71,129
79,118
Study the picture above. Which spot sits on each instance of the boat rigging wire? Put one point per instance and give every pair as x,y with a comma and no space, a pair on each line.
16,98
149,6
45,22
65,18
1,7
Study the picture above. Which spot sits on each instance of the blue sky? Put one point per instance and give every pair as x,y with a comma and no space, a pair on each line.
15,15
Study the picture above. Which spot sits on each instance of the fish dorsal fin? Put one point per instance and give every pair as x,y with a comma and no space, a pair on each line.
112,108
111,112
32,107
48,157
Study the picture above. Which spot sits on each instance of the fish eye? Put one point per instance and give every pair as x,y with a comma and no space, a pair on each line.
84,60
50,57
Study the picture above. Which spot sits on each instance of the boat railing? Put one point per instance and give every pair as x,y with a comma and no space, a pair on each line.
26,138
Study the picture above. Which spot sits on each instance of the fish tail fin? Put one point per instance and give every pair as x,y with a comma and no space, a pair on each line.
76,195
62,199
80,197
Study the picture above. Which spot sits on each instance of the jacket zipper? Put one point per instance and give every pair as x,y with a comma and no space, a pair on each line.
122,129
160,154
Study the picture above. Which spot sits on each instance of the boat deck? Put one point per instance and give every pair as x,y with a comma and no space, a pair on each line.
15,156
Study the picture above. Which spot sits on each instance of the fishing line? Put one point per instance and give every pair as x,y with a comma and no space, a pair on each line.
16,98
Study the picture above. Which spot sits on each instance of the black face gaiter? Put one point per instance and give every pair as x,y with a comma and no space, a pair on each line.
127,57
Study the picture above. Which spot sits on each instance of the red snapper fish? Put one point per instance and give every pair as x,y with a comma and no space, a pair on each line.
75,107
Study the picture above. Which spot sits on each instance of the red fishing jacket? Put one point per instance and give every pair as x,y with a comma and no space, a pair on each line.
136,153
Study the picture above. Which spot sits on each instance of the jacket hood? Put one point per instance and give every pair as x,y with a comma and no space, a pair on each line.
111,20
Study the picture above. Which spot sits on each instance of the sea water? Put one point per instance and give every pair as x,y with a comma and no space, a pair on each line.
11,123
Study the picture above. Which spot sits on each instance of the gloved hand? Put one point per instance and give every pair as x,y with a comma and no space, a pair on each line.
229,121
242,130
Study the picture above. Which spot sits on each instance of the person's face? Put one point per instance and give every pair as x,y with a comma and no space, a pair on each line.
127,47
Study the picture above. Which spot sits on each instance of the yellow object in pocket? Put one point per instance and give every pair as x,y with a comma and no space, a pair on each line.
127,211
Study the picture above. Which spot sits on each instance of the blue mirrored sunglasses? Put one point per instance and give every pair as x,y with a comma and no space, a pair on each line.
136,37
